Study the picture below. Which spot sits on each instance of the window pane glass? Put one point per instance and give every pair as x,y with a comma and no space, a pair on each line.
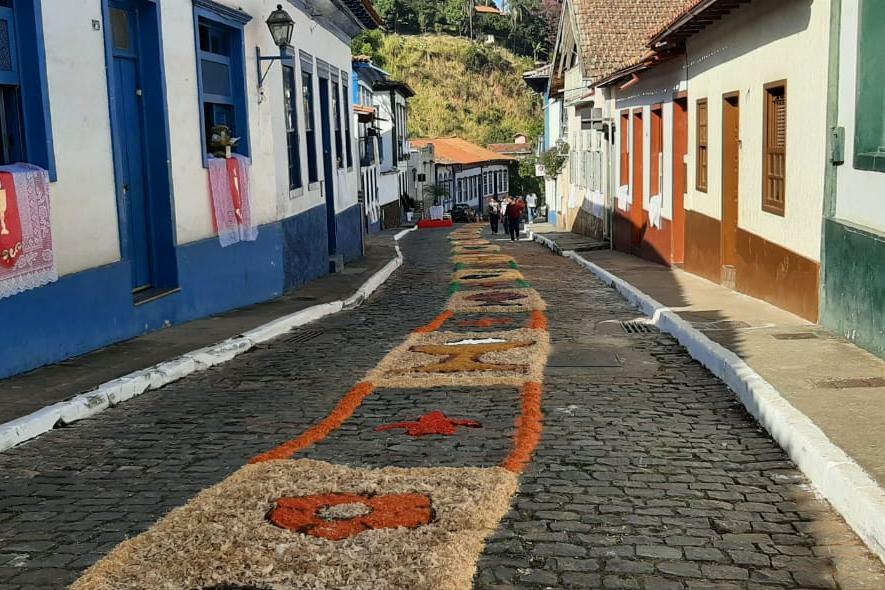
119,29
869,140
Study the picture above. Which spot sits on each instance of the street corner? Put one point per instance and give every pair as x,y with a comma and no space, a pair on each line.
436,359
312,524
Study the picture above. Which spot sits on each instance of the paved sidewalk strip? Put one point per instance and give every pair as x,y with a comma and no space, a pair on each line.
855,494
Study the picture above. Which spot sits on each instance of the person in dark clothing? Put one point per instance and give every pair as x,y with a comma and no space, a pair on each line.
494,211
514,217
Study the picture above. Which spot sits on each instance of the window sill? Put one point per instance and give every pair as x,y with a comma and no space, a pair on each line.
313,186
294,193
872,162
774,210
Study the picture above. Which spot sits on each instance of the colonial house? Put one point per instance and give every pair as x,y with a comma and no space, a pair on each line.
618,183
422,170
391,107
757,139
365,74
519,148
120,211
704,164
853,297
471,174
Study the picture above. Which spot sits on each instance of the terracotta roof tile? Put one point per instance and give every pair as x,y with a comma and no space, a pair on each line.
454,150
511,148
614,33
488,9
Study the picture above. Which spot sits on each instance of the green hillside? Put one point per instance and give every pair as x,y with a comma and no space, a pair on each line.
463,88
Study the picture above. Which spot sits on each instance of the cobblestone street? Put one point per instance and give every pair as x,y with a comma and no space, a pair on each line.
649,475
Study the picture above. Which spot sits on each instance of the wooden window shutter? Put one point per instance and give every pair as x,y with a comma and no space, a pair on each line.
775,154
702,152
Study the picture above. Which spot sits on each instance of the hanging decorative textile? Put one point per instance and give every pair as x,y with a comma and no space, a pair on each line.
26,257
230,184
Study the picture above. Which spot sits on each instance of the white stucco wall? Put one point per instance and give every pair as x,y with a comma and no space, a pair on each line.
760,43
84,202
270,185
860,193
657,86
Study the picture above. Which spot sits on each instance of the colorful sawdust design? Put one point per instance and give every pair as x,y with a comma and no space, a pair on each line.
223,535
436,422
471,275
488,301
304,514
437,359
284,523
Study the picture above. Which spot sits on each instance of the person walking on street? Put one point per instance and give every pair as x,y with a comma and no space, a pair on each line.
503,209
532,203
494,211
514,217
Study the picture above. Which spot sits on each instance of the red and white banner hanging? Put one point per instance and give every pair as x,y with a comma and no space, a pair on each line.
26,257
230,185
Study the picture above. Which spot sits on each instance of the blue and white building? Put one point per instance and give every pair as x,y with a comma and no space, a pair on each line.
115,98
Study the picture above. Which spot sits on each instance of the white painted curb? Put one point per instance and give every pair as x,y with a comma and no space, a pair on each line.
134,384
844,483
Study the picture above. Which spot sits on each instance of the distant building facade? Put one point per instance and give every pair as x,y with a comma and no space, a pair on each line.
471,174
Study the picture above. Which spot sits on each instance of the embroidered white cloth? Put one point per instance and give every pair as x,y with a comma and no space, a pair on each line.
36,265
230,183
623,196
655,210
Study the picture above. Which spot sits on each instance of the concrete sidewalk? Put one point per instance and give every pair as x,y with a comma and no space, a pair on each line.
26,393
838,386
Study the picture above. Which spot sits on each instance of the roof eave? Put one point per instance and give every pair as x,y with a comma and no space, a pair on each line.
692,21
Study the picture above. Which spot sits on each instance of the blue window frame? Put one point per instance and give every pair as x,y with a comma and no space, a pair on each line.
348,115
25,124
290,100
309,121
336,114
221,72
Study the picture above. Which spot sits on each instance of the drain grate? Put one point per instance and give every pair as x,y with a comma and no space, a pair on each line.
305,336
638,327
796,336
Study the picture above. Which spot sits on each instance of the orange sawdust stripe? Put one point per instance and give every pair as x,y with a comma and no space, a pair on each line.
528,429
344,410
538,320
437,323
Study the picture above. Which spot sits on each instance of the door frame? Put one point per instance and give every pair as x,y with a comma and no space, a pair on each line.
730,187
327,141
637,165
157,152
680,176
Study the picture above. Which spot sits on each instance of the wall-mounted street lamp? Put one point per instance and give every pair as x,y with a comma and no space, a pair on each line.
281,28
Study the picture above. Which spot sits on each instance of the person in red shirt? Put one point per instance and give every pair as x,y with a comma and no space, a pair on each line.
514,217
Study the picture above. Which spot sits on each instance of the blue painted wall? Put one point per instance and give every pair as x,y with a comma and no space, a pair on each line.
350,239
305,247
374,228
94,308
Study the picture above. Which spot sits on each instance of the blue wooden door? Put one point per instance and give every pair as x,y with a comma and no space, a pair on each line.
132,184
329,172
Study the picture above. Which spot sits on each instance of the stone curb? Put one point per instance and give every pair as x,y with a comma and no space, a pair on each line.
134,384
849,489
